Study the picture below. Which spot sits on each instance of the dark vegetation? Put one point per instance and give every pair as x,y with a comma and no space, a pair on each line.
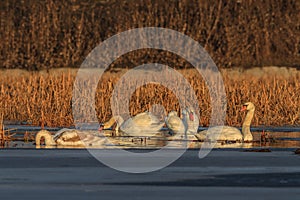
239,33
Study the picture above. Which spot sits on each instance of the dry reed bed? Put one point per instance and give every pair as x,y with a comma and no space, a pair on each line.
46,34
46,99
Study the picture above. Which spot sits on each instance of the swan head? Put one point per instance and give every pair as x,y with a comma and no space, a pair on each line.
112,122
190,112
248,106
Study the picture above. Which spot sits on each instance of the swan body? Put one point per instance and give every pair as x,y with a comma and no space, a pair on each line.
220,133
188,125
175,124
143,124
69,137
231,133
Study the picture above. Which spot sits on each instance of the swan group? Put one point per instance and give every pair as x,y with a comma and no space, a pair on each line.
146,124
69,137
142,124
231,133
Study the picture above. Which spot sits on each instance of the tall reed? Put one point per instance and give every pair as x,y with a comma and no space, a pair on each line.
46,99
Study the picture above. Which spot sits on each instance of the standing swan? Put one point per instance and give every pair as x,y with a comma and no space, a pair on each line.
68,137
231,133
143,124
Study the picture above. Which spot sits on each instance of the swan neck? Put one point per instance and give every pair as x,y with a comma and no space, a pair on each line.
246,125
248,118
112,121
48,138
246,130
185,123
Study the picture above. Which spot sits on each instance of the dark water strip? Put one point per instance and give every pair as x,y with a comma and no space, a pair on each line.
231,180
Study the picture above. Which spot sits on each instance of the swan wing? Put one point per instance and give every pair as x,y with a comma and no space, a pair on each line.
230,133
71,135
142,124
220,133
142,119
60,132
175,124
145,119
79,138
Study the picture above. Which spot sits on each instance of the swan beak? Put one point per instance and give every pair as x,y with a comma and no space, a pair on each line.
244,107
191,116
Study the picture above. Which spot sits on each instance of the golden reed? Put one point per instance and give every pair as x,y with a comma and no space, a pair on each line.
45,99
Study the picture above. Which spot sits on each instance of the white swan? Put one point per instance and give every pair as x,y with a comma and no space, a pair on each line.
69,137
143,124
231,133
175,124
192,120
188,124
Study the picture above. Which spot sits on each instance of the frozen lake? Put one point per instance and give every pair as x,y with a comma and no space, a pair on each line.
75,174
228,172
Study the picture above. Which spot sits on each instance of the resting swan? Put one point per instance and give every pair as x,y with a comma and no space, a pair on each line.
69,137
175,124
143,124
231,133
